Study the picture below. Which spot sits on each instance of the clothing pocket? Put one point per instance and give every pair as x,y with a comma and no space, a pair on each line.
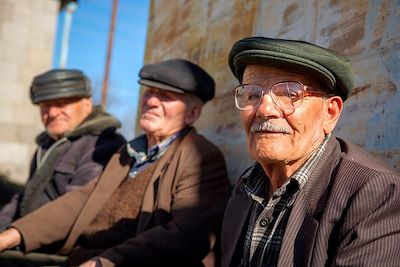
62,177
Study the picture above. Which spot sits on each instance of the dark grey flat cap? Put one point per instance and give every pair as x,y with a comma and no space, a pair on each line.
332,69
178,75
60,83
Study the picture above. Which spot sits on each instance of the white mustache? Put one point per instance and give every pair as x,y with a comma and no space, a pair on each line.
268,126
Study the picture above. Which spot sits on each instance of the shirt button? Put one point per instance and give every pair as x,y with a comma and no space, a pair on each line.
264,223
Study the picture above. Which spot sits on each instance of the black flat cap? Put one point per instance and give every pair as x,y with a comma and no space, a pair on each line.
60,83
179,75
332,69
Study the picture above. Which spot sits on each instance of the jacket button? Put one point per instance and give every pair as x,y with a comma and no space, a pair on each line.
264,222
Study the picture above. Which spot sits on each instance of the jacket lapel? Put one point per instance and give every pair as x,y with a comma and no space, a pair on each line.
302,228
114,173
239,208
299,235
151,193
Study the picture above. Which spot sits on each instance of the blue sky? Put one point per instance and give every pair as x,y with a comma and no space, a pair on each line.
88,48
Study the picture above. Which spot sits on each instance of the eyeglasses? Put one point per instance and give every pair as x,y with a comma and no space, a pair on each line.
286,95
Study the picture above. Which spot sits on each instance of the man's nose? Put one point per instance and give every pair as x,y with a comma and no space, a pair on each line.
152,99
53,111
267,107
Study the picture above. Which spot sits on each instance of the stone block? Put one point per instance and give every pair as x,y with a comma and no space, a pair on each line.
6,114
14,160
8,132
27,133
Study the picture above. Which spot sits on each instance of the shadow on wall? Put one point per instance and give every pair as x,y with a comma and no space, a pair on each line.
7,189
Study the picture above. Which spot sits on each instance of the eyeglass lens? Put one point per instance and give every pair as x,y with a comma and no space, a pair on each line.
283,94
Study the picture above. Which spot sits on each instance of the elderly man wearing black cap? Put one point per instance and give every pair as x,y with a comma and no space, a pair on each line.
160,199
311,199
78,141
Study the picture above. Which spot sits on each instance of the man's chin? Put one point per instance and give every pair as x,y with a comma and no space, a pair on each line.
148,129
56,133
149,123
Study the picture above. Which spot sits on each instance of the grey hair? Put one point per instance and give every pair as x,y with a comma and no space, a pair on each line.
193,101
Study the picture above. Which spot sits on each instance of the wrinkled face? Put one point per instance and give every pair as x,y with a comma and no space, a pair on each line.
163,113
62,116
274,136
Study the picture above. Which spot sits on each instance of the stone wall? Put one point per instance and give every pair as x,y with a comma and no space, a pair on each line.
27,31
368,31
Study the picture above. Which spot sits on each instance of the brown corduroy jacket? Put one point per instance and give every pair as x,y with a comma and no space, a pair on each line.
348,214
180,217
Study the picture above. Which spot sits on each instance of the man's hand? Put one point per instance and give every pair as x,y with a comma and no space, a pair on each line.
89,263
9,239
98,262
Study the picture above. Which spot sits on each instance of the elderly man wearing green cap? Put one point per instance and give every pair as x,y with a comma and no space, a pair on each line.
160,199
78,141
311,199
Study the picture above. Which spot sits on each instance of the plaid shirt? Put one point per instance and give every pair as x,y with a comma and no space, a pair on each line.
137,149
269,217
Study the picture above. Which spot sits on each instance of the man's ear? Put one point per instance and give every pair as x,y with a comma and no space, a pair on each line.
88,104
88,101
192,115
333,108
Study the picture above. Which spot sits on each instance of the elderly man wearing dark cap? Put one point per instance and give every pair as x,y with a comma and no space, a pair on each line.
311,199
78,141
160,199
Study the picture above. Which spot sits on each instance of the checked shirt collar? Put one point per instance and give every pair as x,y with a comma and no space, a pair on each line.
137,149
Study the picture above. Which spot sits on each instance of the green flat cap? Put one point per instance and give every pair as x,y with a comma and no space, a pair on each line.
332,69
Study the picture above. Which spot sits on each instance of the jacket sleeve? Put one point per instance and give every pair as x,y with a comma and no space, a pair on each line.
53,221
370,235
8,212
198,202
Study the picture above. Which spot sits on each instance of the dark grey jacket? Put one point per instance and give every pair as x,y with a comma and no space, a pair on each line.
64,165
